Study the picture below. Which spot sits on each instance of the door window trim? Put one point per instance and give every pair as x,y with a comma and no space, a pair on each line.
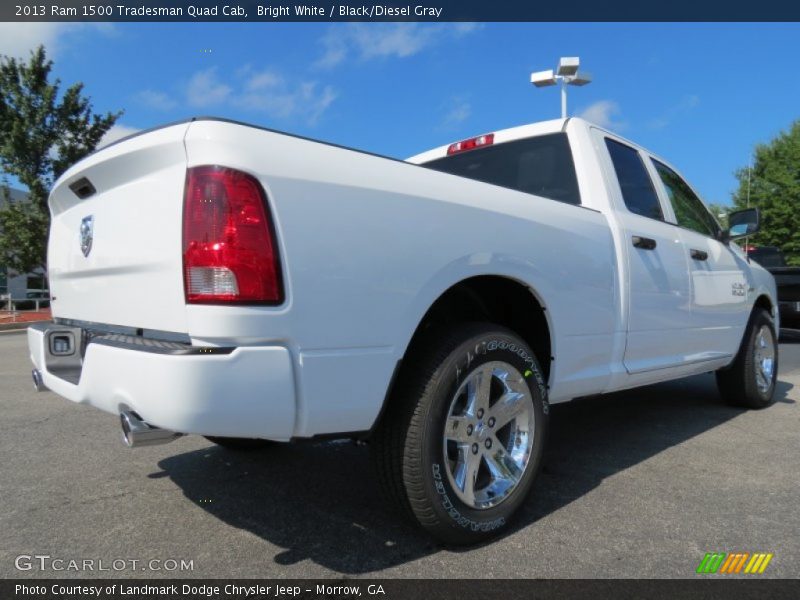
661,189
611,173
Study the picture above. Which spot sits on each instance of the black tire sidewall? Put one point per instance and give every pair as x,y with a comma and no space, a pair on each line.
465,521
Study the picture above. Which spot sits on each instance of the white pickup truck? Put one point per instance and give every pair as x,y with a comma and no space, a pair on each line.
215,278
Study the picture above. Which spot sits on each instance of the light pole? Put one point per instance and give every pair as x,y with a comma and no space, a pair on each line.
567,73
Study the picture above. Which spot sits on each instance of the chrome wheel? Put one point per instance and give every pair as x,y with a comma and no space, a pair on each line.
489,434
764,358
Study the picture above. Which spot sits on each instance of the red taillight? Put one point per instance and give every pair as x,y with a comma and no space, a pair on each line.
230,254
471,144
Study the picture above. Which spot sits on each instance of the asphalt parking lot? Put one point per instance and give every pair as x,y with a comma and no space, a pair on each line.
635,484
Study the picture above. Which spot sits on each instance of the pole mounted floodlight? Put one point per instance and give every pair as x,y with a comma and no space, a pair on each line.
567,73
543,78
568,65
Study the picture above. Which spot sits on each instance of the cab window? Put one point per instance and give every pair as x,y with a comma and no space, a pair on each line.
637,188
540,165
690,211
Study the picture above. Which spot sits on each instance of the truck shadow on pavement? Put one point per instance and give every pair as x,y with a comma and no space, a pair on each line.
319,500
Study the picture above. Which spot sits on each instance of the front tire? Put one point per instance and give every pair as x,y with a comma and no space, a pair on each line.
750,381
463,436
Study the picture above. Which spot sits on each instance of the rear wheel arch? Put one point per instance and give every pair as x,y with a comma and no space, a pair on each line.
496,299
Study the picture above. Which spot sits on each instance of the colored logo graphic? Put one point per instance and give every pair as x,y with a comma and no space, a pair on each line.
734,562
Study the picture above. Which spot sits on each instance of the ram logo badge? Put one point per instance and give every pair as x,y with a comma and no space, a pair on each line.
87,234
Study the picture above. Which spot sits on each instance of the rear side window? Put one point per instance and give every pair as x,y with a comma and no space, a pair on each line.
637,188
540,165
690,211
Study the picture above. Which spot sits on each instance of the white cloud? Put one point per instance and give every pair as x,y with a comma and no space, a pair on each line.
270,93
155,100
18,39
459,110
263,80
364,42
689,101
117,132
603,113
204,89
464,28
265,91
685,104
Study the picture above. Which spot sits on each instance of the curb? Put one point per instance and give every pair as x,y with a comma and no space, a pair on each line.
19,326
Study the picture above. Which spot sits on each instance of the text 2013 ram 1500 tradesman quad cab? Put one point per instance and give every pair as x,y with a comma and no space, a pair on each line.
215,278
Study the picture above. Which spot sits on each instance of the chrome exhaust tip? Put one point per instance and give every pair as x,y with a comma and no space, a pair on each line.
136,433
38,384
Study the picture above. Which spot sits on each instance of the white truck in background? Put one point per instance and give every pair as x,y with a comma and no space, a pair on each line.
215,278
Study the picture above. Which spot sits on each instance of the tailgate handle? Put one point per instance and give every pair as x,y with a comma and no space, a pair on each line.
82,188
698,254
644,243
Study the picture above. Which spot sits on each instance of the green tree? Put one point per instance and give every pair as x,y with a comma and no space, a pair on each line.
42,133
775,189
720,212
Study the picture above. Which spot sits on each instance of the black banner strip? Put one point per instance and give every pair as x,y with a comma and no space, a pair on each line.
703,587
421,10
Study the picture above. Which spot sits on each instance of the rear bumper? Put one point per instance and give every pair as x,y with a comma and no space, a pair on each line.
246,392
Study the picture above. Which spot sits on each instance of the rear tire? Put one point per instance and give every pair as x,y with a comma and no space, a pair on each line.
240,444
462,439
750,381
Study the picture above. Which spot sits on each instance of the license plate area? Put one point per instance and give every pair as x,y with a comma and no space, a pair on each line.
63,352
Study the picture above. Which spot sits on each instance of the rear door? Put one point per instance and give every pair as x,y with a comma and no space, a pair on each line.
719,288
657,271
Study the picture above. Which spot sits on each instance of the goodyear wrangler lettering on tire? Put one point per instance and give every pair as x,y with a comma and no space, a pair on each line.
519,351
532,370
479,349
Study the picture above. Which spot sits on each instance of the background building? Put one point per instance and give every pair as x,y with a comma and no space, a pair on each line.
12,284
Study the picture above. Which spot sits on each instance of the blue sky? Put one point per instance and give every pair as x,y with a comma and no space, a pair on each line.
701,95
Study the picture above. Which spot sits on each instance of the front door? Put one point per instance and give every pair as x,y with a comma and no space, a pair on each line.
719,288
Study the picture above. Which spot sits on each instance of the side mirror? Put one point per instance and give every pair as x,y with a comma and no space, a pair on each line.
742,223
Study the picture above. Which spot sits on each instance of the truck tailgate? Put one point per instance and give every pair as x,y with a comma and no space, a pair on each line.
114,255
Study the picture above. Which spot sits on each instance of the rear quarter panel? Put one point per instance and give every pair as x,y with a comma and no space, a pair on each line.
367,246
